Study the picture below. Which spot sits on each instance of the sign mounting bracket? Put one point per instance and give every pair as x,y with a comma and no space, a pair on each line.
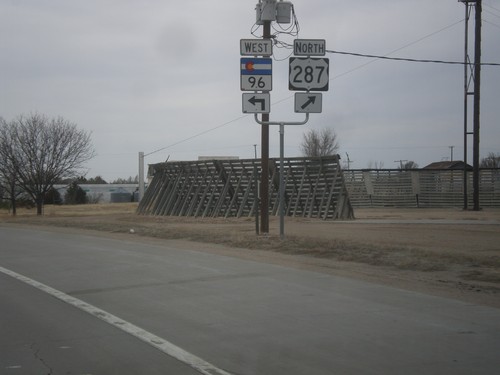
281,122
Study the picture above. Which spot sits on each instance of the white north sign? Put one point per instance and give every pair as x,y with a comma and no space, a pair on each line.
309,47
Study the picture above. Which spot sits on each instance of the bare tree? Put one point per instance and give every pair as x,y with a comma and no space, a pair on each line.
42,151
376,165
8,174
319,143
410,164
491,161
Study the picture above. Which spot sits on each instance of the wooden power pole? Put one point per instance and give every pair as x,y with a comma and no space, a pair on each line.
264,173
477,103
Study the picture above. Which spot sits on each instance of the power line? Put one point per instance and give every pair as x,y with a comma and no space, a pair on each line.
374,57
491,23
196,135
386,56
408,59
494,14
491,7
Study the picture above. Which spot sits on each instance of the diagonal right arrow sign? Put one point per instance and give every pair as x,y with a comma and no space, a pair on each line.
311,100
308,102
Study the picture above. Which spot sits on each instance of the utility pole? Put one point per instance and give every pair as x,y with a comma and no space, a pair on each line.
477,103
348,161
475,73
400,163
468,9
451,150
141,175
264,172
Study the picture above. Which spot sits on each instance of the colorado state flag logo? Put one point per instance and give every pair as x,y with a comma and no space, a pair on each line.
256,66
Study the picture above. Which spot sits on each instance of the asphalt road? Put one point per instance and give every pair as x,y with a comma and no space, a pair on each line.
241,317
40,335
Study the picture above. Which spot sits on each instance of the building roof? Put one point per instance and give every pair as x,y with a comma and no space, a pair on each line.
457,164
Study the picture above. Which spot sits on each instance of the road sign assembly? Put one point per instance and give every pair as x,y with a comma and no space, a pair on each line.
256,74
306,73
256,103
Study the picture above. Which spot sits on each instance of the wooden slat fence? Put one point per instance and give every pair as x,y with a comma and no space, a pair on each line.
315,187
420,188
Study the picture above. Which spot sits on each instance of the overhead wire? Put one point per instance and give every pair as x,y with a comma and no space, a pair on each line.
491,7
493,14
293,31
491,23
279,31
408,59
387,57
196,135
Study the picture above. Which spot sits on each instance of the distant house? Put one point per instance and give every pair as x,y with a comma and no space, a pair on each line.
451,165
204,158
106,193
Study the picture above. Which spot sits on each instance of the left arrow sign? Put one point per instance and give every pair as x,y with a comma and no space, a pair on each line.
253,100
256,103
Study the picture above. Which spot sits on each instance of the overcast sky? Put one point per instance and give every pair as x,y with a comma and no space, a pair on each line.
165,75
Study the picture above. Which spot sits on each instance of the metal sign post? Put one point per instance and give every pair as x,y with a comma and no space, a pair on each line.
282,164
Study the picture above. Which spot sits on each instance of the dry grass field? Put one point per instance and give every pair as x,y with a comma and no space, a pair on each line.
447,252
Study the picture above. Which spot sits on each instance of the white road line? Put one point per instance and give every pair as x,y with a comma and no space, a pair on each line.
163,345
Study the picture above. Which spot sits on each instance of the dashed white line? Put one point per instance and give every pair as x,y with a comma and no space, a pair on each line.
159,343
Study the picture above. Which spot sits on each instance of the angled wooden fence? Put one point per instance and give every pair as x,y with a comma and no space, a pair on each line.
228,188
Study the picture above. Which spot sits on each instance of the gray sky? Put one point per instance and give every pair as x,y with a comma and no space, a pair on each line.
164,75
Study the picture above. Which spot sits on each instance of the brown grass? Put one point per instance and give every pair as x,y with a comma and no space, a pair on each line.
120,218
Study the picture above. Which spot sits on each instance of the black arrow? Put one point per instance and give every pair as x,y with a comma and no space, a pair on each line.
253,100
311,100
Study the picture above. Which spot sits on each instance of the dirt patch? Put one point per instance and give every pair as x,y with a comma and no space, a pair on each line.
445,252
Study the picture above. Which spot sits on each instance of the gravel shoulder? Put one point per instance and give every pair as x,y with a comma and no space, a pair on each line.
444,252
